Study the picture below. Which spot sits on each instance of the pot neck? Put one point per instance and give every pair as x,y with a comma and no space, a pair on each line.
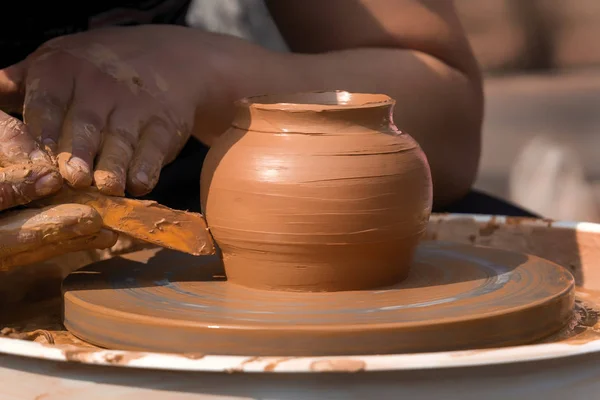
364,112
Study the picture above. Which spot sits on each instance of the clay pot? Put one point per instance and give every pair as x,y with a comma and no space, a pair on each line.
316,192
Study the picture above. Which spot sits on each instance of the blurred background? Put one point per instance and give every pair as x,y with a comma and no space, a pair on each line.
541,60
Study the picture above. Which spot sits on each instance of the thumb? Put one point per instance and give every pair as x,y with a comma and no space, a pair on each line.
12,87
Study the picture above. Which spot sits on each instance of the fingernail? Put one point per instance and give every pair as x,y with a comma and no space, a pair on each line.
49,145
142,178
40,156
79,171
108,183
139,184
48,184
78,165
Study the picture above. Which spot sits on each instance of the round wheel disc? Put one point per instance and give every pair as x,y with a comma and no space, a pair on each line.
456,297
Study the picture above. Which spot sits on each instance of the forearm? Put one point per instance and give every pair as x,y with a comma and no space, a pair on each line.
439,106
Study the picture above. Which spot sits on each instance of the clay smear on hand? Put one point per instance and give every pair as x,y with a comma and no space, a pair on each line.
22,183
34,235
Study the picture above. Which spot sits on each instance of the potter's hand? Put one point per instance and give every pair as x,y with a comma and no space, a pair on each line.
113,105
26,172
35,235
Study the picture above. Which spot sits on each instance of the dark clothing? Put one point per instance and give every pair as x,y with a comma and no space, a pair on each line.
26,26
476,202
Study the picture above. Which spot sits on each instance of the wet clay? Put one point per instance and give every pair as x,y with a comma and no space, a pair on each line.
316,192
144,220
19,183
39,321
456,297
34,235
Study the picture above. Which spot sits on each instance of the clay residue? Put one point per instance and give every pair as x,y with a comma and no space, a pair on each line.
274,364
77,354
584,325
39,335
22,183
489,228
87,355
194,356
574,250
243,364
30,236
338,365
516,221
103,239
110,63
40,322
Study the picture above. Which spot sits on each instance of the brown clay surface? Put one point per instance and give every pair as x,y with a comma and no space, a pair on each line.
316,192
34,235
41,321
456,297
144,220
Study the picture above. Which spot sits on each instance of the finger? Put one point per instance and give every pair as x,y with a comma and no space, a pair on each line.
48,92
17,145
152,151
104,239
12,87
22,183
120,138
25,230
80,140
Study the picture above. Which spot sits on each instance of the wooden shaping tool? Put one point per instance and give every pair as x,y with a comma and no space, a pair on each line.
144,220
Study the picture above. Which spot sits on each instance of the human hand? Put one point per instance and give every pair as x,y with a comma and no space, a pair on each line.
35,235
113,106
26,172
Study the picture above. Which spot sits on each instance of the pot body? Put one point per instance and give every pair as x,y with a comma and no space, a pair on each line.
316,192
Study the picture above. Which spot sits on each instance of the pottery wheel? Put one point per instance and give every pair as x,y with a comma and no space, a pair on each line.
456,297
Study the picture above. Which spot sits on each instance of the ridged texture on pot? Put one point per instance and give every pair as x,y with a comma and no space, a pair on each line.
316,192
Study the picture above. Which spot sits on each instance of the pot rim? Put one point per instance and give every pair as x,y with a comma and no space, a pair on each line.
301,101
